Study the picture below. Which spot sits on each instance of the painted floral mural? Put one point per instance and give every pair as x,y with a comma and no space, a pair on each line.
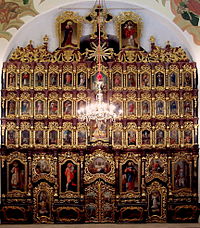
10,14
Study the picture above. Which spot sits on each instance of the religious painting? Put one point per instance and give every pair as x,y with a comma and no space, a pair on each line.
132,138
117,138
160,107
187,79
39,79
67,107
69,28
11,109
42,167
173,107
67,79
160,137
16,176
25,79
117,80
82,137
69,176
81,79
25,107
99,131
131,80
43,204
181,174
155,203
146,108
174,137
156,166
39,107
145,80
160,79
131,105
129,177
81,105
67,137
118,108
173,79
99,165
39,137
129,34
103,81
53,137
25,137
11,79
53,107
146,137
187,107
11,137
53,79
188,139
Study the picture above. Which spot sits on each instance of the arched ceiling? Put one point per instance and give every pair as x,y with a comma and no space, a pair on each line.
24,20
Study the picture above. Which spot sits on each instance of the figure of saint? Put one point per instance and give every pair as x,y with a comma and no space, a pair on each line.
159,137
145,107
187,79
53,108
155,201
53,79
11,137
145,80
39,137
145,137
117,138
70,173
68,32
39,107
173,79
187,107
131,138
39,79
181,172
159,108
25,79
82,137
129,177
67,137
82,79
43,204
99,130
117,81
25,107
11,107
131,108
173,107
159,79
11,79
42,167
53,137
81,105
118,109
17,176
155,166
67,109
131,79
68,79
174,137
188,137
25,137
129,34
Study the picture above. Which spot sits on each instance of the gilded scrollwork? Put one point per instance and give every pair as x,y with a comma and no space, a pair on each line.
43,167
99,164
156,167
157,202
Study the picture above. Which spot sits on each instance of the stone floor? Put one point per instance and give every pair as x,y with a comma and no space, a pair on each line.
152,225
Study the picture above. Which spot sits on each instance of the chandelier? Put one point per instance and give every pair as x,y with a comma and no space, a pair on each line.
99,110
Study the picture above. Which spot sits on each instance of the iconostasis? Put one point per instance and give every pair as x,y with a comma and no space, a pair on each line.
142,167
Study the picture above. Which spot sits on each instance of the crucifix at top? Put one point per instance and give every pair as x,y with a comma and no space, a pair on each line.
98,16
